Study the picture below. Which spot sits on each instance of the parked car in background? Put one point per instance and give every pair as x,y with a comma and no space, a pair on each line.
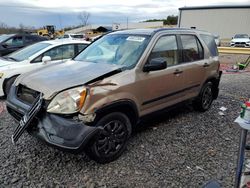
12,42
93,101
240,40
73,36
35,56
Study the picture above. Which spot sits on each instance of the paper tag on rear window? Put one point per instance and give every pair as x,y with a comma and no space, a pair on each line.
136,38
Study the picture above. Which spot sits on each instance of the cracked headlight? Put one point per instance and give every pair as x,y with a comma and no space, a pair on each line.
68,102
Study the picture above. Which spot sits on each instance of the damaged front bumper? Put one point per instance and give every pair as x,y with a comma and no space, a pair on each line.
59,131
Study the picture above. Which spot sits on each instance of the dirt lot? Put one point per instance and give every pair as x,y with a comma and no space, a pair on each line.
181,148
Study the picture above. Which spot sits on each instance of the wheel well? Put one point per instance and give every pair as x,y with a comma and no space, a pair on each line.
126,107
6,80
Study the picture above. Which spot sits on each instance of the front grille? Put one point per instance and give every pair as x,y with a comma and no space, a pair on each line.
240,43
26,94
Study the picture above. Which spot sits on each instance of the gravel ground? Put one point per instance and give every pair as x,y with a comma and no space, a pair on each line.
180,148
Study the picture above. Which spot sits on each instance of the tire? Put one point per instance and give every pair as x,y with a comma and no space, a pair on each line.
205,98
112,141
8,85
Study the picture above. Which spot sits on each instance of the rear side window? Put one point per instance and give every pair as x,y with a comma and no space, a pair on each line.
210,42
30,39
191,48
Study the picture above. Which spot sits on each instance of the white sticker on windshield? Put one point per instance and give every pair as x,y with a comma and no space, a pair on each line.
136,38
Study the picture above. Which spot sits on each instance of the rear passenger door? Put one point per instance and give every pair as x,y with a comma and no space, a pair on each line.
193,62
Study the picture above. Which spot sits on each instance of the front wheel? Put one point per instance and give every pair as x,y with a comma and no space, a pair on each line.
112,140
205,98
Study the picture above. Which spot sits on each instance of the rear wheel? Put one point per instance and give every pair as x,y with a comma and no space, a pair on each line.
204,100
8,85
112,140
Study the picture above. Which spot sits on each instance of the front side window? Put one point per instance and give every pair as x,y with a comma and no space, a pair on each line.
119,49
61,52
166,48
191,48
81,47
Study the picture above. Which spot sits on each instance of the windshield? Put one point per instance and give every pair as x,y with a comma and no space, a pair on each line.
241,36
25,53
4,37
119,49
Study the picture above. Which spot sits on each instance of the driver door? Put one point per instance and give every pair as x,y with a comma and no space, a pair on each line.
163,88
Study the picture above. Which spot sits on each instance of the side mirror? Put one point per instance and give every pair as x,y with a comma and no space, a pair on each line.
155,65
46,59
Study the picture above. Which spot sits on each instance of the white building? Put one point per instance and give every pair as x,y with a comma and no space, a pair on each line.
141,25
225,21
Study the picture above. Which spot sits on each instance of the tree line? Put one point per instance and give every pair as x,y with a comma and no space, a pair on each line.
5,29
170,20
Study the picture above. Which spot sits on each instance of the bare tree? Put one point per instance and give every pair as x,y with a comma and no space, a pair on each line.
84,17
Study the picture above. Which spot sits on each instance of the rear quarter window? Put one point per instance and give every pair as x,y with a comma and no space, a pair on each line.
210,42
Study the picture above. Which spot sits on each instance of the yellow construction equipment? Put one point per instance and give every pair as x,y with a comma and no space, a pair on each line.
50,32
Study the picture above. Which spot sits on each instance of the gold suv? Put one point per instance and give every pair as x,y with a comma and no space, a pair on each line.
91,102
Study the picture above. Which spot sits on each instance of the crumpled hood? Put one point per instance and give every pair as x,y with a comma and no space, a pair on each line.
52,79
4,62
240,40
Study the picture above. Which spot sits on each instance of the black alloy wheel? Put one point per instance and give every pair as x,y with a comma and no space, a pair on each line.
205,98
112,140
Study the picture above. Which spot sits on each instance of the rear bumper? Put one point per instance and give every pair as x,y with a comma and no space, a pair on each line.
58,131
216,86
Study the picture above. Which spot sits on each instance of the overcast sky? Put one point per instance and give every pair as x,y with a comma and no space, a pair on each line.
64,12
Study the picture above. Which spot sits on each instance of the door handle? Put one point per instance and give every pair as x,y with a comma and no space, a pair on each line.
177,71
206,65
